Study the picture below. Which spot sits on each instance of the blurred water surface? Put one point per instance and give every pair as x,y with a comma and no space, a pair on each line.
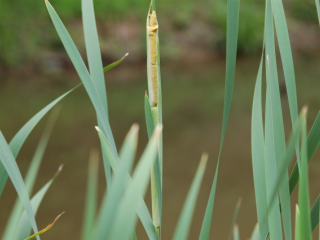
192,112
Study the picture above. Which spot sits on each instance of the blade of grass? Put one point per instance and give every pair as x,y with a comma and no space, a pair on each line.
91,196
271,168
285,161
93,51
255,233
83,74
278,128
95,65
111,201
314,213
23,227
232,39
45,229
182,230
318,9
13,171
236,235
313,143
286,57
31,175
18,140
235,216
305,224
142,211
114,64
258,155
297,231
126,216
134,236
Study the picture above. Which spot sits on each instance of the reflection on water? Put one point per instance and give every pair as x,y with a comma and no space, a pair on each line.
193,103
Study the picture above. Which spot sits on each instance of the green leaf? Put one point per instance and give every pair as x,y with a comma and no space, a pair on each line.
126,216
91,196
278,128
285,161
286,57
23,228
110,202
45,229
84,75
95,64
156,187
142,211
234,220
30,176
114,64
18,140
232,38
313,143
183,226
314,213
304,204
298,230
255,233
271,168
258,155
236,235
318,9
93,51
13,171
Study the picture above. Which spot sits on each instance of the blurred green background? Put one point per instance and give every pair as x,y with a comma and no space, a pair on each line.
34,70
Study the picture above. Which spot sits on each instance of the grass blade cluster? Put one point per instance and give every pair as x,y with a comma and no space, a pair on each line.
30,176
23,228
13,171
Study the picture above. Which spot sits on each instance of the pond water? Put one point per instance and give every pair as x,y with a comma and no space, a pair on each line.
192,113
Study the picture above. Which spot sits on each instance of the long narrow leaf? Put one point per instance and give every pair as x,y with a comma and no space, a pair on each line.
313,143
142,211
278,127
95,64
236,235
23,228
110,202
114,64
183,226
318,9
18,140
31,175
83,74
304,204
13,171
126,215
314,213
258,155
286,57
156,172
45,229
255,233
271,170
232,39
235,217
91,196
298,231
